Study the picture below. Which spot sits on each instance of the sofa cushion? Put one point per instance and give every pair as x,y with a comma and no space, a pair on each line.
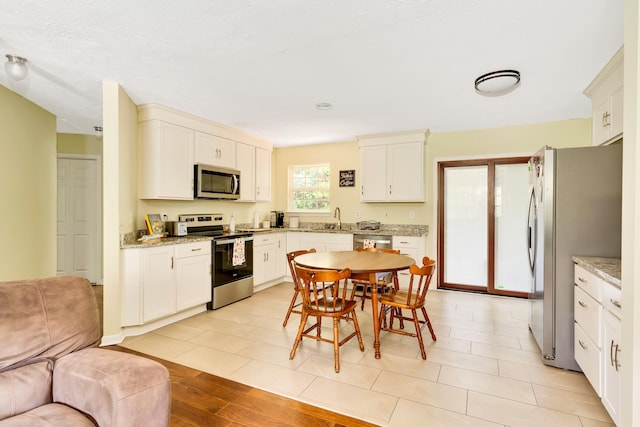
53,414
25,388
47,317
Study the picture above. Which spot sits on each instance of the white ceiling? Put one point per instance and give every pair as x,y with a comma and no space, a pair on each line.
262,65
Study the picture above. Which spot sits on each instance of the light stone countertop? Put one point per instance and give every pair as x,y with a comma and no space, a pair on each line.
132,243
608,269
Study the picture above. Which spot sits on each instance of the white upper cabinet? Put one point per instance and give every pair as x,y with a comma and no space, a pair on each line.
214,150
607,98
165,161
246,164
263,175
171,142
392,167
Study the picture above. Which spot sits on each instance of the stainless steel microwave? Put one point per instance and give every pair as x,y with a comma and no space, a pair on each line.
211,182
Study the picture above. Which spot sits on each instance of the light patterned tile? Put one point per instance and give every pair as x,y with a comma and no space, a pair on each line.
580,404
220,341
488,384
516,414
180,331
274,355
587,422
275,379
422,391
212,361
413,414
412,367
487,365
350,373
159,346
507,354
547,376
354,401
488,338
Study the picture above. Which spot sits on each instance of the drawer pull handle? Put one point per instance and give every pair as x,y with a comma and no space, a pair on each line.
584,347
583,305
615,302
196,249
582,280
611,353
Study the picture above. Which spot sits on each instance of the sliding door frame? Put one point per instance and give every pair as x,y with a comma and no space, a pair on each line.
491,164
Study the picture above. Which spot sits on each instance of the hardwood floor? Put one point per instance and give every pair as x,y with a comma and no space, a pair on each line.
201,399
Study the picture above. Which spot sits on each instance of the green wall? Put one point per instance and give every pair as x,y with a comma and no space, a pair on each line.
70,143
27,188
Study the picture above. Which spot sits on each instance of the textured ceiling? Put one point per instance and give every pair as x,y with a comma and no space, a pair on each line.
262,65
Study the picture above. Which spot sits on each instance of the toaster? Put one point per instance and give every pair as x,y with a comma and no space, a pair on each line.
176,228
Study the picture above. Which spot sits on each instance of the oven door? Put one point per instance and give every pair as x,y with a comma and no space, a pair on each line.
226,267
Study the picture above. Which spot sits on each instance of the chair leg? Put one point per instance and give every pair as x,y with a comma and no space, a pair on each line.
364,296
416,322
303,322
293,304
357,327
426,318
336,345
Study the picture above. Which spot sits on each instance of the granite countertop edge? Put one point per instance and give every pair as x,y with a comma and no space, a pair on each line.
419,231
608,269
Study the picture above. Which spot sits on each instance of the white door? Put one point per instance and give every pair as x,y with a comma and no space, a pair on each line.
77,218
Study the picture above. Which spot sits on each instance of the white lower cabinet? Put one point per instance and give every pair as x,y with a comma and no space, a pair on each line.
159,281
597,313
611,350
325,242
269,257
410,246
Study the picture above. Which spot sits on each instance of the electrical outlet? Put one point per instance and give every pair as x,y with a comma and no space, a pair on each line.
412,215
164,216
357,214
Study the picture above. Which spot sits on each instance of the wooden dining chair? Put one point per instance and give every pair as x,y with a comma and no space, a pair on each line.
412,299
324,294
296,291
362,288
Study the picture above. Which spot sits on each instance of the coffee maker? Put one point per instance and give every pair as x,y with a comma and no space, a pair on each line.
277,219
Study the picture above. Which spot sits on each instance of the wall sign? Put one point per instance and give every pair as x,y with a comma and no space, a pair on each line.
348,178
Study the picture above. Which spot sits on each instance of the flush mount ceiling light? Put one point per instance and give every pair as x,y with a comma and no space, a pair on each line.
324,106
16,67
497,82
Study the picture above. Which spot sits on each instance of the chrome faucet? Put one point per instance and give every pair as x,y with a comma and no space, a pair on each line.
336,214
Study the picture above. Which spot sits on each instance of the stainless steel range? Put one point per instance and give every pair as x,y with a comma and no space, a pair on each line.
231,259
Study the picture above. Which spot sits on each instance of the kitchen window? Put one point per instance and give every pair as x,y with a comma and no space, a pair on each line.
309,188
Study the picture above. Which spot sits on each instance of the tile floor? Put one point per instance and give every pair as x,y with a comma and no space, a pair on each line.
484,370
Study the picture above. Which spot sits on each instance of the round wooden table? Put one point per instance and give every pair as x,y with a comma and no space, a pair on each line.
364,266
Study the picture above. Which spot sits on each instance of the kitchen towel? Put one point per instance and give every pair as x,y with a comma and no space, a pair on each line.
238,252
369,243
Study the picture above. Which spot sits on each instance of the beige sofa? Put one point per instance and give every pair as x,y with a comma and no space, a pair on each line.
52,374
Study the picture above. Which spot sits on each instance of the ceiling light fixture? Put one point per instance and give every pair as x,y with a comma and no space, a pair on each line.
324,106
497,82
16,67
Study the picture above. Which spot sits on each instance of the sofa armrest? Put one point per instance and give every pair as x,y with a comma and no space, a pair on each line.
115,388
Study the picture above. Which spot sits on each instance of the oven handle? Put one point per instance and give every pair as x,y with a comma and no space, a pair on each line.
227,241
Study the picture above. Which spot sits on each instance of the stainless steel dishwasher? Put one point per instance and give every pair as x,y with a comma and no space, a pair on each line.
380,240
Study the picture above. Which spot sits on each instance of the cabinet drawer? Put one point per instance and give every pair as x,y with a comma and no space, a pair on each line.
266,239
402,242
587,312
588,281
612,299
589,357
193,249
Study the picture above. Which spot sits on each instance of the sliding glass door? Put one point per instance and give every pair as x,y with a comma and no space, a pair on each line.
482,215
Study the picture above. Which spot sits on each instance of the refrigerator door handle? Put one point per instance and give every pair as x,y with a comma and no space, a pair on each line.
531,234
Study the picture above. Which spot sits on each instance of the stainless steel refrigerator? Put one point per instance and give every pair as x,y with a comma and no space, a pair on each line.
575,208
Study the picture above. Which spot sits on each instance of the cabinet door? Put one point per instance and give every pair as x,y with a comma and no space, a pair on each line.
405,172
246,164
281,267
166,161
264,263
600,119
611,373
263,175
617,104
373,169
159,289
193,281
215,150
